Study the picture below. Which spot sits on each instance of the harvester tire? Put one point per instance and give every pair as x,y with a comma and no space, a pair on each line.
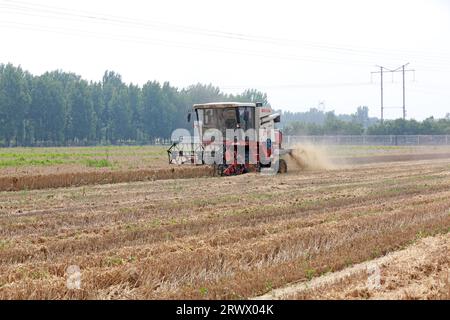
282,166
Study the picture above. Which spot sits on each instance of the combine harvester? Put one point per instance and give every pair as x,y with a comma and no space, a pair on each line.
232,137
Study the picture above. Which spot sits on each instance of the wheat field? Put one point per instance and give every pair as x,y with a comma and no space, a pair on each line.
229,237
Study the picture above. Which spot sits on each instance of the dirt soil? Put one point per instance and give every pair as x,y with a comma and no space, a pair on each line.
421,271
218,238
142,168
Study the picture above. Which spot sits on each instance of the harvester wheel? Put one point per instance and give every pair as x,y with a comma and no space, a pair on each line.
282,166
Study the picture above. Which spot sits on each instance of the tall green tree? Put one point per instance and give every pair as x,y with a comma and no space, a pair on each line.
80,126
120,114
14,103
48,110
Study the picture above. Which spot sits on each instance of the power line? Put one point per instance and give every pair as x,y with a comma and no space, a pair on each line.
61,13
30,9
141,40
200,47
300,86
392,71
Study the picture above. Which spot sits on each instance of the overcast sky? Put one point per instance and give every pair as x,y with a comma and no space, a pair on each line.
300,53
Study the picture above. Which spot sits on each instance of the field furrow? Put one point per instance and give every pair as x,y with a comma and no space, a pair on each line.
235,237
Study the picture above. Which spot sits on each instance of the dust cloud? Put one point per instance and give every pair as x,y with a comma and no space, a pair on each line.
309,157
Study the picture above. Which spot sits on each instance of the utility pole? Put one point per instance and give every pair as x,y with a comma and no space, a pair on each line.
403,70
404,104
381,75
381,97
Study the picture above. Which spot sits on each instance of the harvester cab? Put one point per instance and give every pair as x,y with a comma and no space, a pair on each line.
234,137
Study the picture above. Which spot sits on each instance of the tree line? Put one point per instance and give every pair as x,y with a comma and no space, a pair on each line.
333,125
60,108
319,117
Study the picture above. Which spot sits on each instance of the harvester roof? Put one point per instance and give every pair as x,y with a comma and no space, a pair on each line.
221,105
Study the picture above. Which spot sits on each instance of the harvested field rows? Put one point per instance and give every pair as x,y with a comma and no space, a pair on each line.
29,169
59,180
236,237
421,271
